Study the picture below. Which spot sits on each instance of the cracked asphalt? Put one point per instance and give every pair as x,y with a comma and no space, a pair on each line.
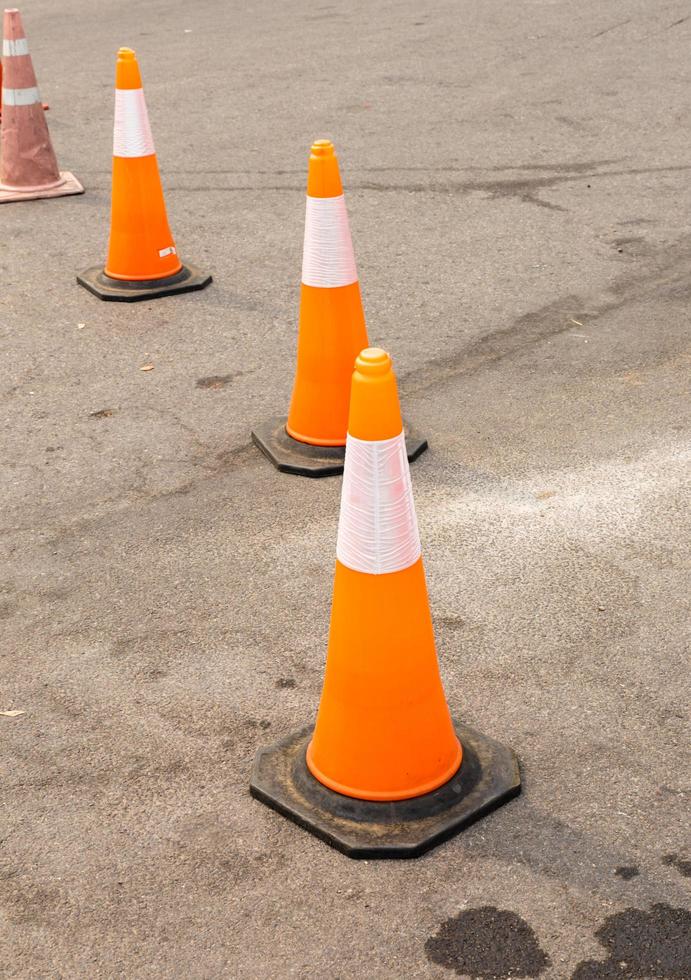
518,180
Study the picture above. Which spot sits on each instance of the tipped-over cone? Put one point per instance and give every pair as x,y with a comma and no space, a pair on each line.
384,741
28,167
142,262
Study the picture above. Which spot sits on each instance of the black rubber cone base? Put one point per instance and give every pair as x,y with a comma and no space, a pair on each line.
488,777
187,280
290,456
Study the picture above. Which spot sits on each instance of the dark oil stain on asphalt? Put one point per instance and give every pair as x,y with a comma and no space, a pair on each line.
627,871
253,724
451,622
7,609
674,861
215,381
642,944
285,682
487,943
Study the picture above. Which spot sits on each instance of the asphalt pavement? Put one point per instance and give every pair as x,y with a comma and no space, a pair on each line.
517,174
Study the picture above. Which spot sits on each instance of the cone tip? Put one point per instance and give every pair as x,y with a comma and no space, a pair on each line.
323,148
373,361
127,70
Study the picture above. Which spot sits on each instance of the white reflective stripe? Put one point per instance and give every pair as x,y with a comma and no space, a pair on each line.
20,96
20,46
327,258
377,530
131,132
162,252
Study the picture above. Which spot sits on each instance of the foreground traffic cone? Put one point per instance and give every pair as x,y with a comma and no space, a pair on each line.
142,261
383,773
28,168
331,333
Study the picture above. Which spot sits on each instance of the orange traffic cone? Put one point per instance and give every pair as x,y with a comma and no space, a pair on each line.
142,261
331,333
383,773
332,329
28,168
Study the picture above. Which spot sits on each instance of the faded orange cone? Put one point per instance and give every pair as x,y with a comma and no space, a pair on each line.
383,773
142,262
7,51
331,333
28,168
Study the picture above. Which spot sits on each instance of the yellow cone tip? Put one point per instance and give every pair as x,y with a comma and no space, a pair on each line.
127,70
323,148
373,361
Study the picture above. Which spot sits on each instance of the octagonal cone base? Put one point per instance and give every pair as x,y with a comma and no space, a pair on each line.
488,777
187,280
291,456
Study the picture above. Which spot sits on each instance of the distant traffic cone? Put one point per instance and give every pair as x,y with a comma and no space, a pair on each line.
383,773
142,258
28,168
331,333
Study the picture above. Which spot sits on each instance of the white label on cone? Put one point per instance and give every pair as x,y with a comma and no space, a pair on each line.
20,96
162,252
327,258
10,48
377,530
131,132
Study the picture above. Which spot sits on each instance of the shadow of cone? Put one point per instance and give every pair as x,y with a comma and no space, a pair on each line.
331,333
385,772
28,168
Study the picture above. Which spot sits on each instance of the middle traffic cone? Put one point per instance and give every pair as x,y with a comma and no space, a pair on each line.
331,333
383,773
142,262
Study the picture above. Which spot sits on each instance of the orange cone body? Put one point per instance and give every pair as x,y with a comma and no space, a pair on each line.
331,330
383,729
28,168
141,244
142,261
